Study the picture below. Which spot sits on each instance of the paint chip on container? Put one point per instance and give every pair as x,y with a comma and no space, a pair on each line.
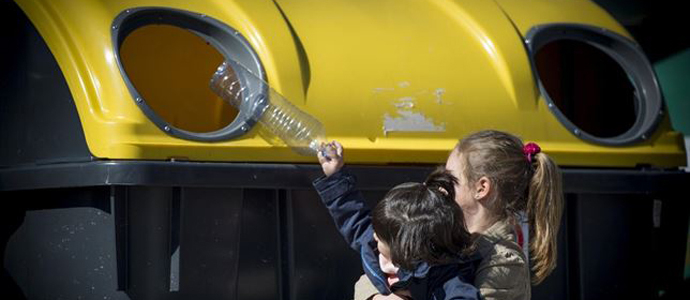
410,122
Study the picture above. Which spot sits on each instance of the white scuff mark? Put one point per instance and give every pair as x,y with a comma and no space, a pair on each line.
381,90
439,95
403,84
405,103
409,121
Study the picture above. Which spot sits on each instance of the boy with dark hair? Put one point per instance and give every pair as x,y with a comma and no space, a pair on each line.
414,244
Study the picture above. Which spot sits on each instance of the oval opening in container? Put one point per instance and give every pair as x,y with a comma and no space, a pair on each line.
167,58
588,86
171,67
596,82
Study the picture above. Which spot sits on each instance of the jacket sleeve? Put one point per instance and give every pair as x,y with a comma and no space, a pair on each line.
364,289
504,274
347,207
456,289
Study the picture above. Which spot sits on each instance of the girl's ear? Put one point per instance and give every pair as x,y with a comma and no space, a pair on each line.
482,188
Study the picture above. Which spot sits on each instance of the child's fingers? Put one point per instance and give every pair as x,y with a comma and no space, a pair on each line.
338,148
322,159
329,151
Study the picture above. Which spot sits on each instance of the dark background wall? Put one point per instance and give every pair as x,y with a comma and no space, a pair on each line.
660,26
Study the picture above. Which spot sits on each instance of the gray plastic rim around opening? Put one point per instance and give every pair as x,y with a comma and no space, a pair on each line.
628,55
228,41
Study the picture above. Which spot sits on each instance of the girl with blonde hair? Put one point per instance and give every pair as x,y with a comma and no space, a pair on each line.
511,195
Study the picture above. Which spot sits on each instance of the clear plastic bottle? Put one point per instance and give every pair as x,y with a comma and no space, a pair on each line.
254,98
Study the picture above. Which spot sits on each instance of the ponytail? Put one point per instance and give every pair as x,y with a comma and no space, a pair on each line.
441,181
544,210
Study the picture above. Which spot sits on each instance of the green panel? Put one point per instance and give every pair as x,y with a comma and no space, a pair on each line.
673,73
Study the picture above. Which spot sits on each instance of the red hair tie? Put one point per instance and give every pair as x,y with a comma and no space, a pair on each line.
530,149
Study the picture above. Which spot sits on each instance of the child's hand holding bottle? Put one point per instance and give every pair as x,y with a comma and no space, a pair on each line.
331,158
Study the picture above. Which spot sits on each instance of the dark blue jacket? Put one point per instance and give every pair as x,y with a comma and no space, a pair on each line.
352,217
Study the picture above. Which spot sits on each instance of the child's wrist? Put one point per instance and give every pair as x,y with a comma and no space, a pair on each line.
333,172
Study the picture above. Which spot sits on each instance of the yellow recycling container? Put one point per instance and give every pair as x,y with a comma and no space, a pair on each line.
394,81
